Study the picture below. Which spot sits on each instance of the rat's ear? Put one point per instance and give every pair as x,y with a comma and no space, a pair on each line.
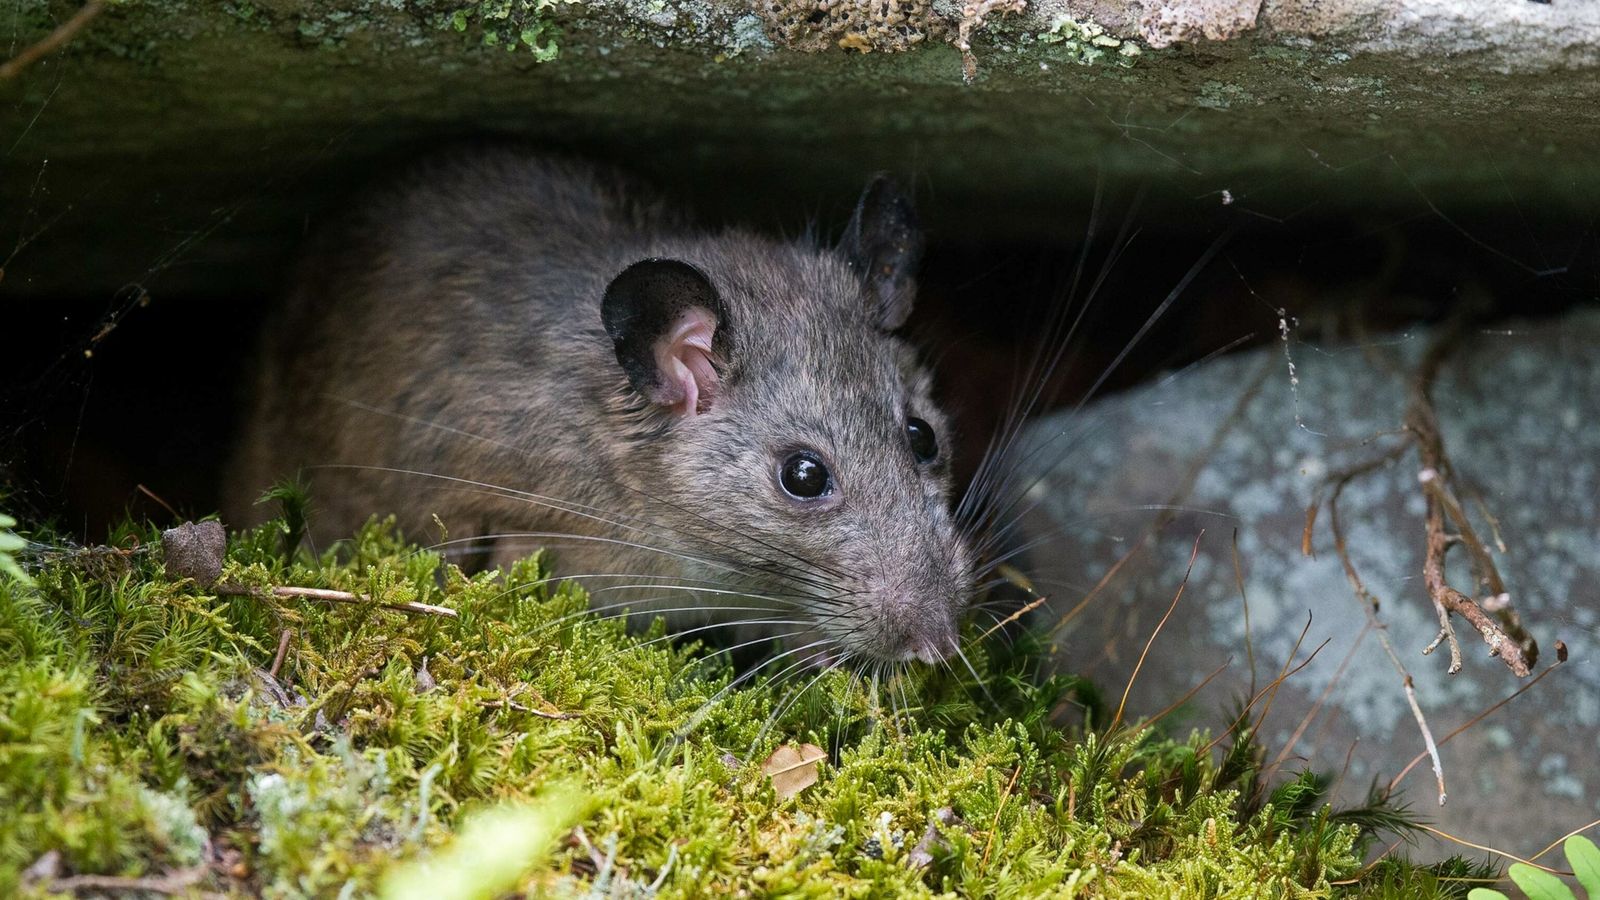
884,246
667,325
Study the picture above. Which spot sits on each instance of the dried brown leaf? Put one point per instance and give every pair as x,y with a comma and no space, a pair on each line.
793,769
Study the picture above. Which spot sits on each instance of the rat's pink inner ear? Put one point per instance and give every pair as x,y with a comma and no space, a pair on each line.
688,380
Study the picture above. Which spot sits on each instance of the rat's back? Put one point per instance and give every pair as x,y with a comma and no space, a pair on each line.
475,270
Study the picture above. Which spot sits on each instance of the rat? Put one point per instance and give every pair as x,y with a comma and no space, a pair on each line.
720,426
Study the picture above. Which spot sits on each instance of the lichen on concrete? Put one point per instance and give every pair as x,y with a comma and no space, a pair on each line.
1517,407
1087,42
886,26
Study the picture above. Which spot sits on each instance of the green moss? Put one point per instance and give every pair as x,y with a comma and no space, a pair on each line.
142,735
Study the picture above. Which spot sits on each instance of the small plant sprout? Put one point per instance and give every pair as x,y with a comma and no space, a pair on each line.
1582,855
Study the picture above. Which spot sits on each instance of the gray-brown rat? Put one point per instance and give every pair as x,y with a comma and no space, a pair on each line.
540,354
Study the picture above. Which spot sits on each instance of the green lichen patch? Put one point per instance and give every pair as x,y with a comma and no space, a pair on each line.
1087,42
513,24
155,730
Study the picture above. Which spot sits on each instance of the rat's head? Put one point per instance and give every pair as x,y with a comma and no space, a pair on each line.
791,435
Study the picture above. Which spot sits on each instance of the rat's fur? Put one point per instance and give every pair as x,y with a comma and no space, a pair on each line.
452,327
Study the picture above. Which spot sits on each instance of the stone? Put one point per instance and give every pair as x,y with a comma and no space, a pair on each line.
184,148
1230,454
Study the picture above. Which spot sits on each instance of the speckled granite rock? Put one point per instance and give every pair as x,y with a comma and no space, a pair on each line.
1520,411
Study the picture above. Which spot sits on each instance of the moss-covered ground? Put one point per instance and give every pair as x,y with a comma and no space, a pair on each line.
531,745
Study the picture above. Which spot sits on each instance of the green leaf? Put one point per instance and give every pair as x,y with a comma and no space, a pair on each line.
1485,894
1584,858
494,847
9,567
1539,884
10,543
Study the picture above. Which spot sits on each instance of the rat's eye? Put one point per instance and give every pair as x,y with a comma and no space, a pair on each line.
804,476
923,444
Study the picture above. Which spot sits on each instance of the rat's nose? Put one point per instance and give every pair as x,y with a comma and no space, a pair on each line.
930,649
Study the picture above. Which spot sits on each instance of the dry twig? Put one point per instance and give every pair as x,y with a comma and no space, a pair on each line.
283,651
1506,637
331,596
172,884
520,707
1395,781
52,41
988,843
1159,625
1369,604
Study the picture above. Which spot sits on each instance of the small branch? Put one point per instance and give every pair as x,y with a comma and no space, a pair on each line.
283,651
1506,638
171,884
1159,625
1498,624
988,843
1337,481
52,41
1395,781
331,596
519,707
1422,726
1369,603
1035,604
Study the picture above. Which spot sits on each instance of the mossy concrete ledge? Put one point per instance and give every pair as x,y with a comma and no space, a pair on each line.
232,119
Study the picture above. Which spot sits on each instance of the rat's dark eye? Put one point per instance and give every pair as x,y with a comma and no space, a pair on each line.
804,476
923,443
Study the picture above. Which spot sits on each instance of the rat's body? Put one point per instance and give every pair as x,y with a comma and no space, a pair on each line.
558,358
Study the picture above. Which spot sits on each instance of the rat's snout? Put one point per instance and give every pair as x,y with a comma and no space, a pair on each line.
916,625
915,594
931,645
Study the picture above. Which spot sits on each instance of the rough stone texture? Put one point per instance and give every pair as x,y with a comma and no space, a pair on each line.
1519,410
188,143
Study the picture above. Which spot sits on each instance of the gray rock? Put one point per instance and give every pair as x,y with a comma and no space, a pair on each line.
1238,447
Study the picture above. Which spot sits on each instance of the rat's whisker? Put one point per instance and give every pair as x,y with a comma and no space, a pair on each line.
1007,486
583,510
562,535
983,683
730,624
698,716
777,714
739,534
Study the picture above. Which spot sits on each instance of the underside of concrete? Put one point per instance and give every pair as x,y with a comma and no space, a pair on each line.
183,146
